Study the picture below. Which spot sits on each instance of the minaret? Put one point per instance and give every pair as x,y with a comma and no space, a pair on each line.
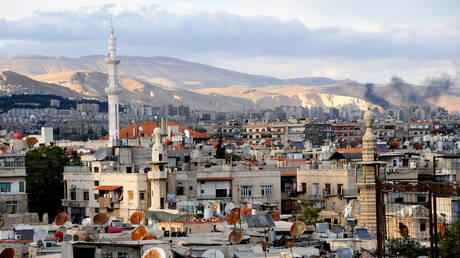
158,175
113,90
367,196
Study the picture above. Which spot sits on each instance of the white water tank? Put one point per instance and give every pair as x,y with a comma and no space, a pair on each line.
208,213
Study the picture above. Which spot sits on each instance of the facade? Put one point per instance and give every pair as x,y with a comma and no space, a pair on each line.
13,196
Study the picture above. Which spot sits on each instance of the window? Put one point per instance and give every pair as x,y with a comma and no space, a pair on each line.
315,188
73,195
130,195
96,183
179,189
422,227
304,187
266,190
129,170
5,187
96,169
327,188
86,195
202,191
11,207
96,196
142,196
190,188
421,198
107,254
246,190
21,187
123,255
96,210
221,193
339,188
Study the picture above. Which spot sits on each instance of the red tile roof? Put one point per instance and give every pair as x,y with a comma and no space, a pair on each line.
148,127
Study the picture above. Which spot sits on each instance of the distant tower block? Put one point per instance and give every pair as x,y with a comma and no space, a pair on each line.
158,175
366,187
113,90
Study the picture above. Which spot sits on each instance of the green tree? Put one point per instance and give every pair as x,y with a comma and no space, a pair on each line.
44,168
310,214
448,246
405,247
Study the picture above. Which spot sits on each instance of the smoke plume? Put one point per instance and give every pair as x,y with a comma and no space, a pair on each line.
372,97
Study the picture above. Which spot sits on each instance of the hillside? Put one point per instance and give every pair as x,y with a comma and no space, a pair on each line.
165,71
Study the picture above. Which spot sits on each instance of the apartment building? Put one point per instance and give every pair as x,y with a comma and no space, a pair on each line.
13,196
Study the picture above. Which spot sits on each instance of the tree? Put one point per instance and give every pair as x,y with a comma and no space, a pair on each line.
405,247
448,246
44,168
310,214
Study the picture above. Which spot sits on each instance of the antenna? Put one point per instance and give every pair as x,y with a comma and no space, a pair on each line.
61,218
139,233
100,154
8,253
297,228
100,218
155,252
137,218
236,236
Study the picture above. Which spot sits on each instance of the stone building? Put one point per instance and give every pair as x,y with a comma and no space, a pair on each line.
13,196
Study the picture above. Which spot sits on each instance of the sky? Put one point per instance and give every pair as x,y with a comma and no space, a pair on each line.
366,41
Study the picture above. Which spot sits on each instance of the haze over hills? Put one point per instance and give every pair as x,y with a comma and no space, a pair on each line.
164,80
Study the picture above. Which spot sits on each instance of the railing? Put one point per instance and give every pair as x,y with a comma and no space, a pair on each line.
213,197
157,175
74,203
77,169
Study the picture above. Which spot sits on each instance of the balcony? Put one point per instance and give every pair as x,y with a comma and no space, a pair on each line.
74,203
77,169
157,175
107,202
213,197
12,172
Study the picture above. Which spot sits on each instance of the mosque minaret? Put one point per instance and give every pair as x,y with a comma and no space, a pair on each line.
113,90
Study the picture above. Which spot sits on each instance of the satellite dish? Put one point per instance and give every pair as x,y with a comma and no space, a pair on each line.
7,253
213,253
236,236
2,223
140,128
61,218
229,207
233,217
139,233
187,133
100,218
3,132
275,215
100,154
40,236
86,222
68,238
195,154
154,252
150,237
297,228
137,218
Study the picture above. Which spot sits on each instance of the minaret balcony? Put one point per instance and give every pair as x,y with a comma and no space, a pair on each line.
115,60
156,175
113,91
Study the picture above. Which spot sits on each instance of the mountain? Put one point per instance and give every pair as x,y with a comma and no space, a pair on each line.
92,84
14,83
165,71
164,80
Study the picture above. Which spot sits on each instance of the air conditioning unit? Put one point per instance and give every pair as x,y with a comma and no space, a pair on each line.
17,237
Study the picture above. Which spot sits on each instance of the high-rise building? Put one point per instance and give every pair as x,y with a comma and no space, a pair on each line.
113,90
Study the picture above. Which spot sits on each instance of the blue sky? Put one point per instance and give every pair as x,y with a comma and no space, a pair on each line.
359,40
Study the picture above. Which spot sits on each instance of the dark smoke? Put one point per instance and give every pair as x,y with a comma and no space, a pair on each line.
405,91
437,85
372,97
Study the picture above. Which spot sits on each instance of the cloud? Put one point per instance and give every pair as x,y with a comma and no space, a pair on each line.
155,31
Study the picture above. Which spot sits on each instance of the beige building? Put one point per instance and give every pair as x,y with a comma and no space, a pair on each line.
13,196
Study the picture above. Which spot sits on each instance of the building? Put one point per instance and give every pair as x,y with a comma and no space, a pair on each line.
13,196
113,90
